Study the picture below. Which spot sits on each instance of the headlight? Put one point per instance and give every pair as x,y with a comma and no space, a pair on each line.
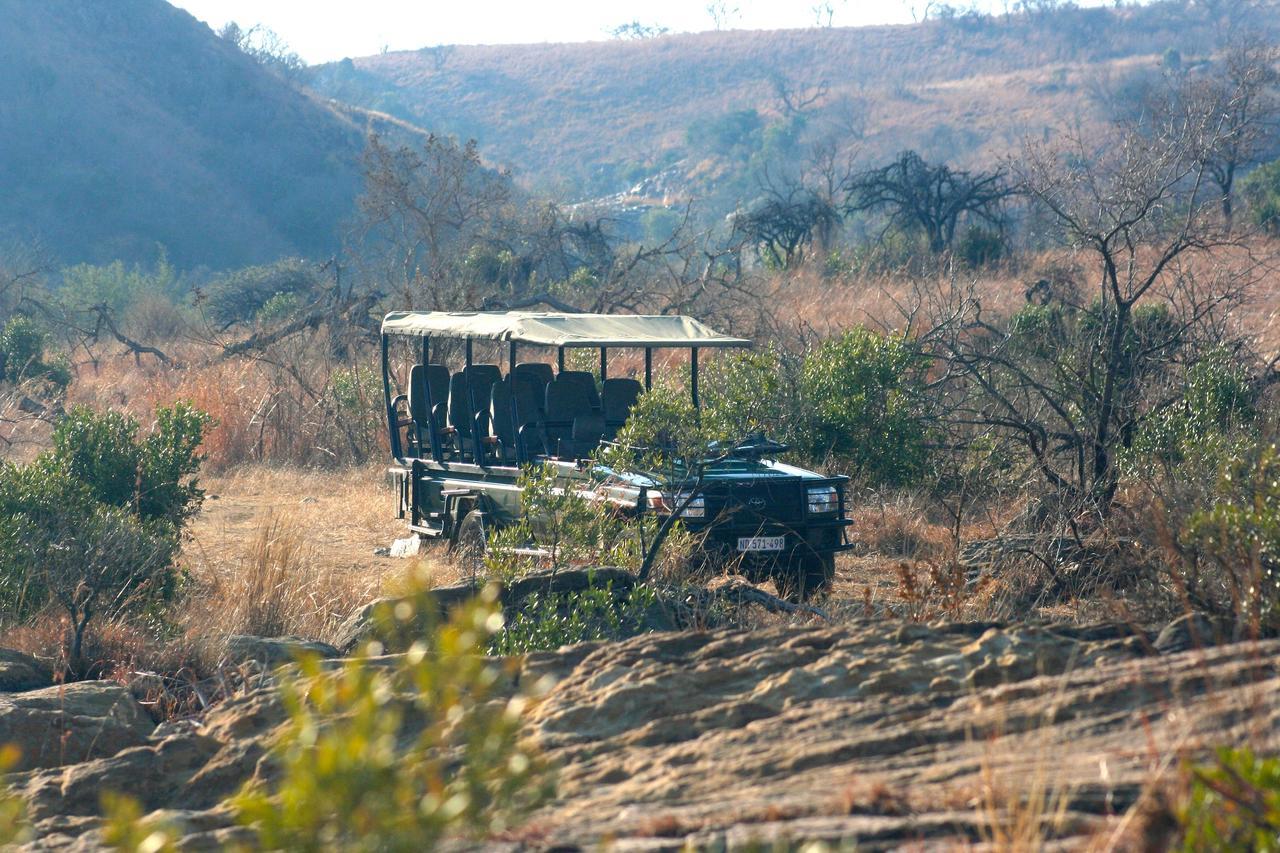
668,503
697,507
823,499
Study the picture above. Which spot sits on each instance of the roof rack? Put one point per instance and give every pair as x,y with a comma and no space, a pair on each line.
560,329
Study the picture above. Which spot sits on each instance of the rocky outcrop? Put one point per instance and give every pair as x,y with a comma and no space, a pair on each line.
869,734
362,625
20,671
273,651
72,723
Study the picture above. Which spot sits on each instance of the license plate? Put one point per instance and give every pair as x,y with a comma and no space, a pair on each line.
762,543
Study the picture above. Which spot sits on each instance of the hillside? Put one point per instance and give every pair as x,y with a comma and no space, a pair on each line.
594,119
130,125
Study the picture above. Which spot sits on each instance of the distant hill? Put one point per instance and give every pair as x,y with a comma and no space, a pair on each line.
129,124
684,112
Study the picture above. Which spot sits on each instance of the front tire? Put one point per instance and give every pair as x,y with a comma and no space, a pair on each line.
807,578
472,544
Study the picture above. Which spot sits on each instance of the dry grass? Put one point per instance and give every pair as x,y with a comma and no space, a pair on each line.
287,551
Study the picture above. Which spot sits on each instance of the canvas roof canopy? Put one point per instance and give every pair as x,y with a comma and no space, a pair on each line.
560,330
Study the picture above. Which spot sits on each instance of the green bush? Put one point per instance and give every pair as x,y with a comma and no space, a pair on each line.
154,474
1261,191
94,523
744,393
980,247
860,393
401,756
1239,539
22,354
1218,399
549,622
239,296
1234,804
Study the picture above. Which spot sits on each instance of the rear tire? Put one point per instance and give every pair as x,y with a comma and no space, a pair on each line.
807,578
472,544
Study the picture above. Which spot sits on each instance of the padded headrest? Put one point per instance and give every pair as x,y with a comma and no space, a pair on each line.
586,381
619,396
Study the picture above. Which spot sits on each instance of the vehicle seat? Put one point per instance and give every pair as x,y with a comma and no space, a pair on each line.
566,400
523,426
588,429
424,378
618,396
587,381
535,371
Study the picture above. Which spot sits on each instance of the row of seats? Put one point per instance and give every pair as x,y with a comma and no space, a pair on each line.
533,409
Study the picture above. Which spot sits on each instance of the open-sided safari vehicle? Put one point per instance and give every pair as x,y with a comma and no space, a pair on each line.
459,439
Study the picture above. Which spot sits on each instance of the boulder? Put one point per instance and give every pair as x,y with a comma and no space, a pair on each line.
273,651
72,723
1189,631
361,626
20,671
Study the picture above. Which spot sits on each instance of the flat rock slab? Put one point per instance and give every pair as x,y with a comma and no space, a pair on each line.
274,651
72,723
864,734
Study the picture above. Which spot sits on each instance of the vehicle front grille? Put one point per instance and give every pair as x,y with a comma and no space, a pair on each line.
753,503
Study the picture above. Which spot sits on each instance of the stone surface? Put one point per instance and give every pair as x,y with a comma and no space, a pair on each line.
865,734
273,651
19,671
72,723
361,626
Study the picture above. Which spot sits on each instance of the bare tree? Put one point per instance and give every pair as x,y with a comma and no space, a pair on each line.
723,14
787,218
1074,381
422,210
932,198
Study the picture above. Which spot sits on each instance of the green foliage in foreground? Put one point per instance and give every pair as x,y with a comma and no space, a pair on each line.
13,814
1234,804
549,622
400,756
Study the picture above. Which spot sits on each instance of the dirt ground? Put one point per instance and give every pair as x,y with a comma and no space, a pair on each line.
347,515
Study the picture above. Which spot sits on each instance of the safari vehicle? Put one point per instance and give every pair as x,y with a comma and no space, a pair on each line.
460,437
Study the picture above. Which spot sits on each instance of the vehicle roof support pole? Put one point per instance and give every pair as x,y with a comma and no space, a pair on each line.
604,364
472,414
511,398
648,368
560,359
693,378
386,396
432,430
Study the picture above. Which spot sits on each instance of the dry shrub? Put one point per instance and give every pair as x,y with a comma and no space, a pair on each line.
899,528
115,649
275,587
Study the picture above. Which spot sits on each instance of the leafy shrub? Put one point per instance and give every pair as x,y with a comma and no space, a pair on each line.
1261,191
559,620
744,393
1239,537
860,394
1218,397
22,348
94,523
398,757
119,287
153,474
278,309
1234,804
239,296
980,247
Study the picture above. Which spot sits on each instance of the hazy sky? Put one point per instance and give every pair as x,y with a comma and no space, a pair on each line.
324,30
